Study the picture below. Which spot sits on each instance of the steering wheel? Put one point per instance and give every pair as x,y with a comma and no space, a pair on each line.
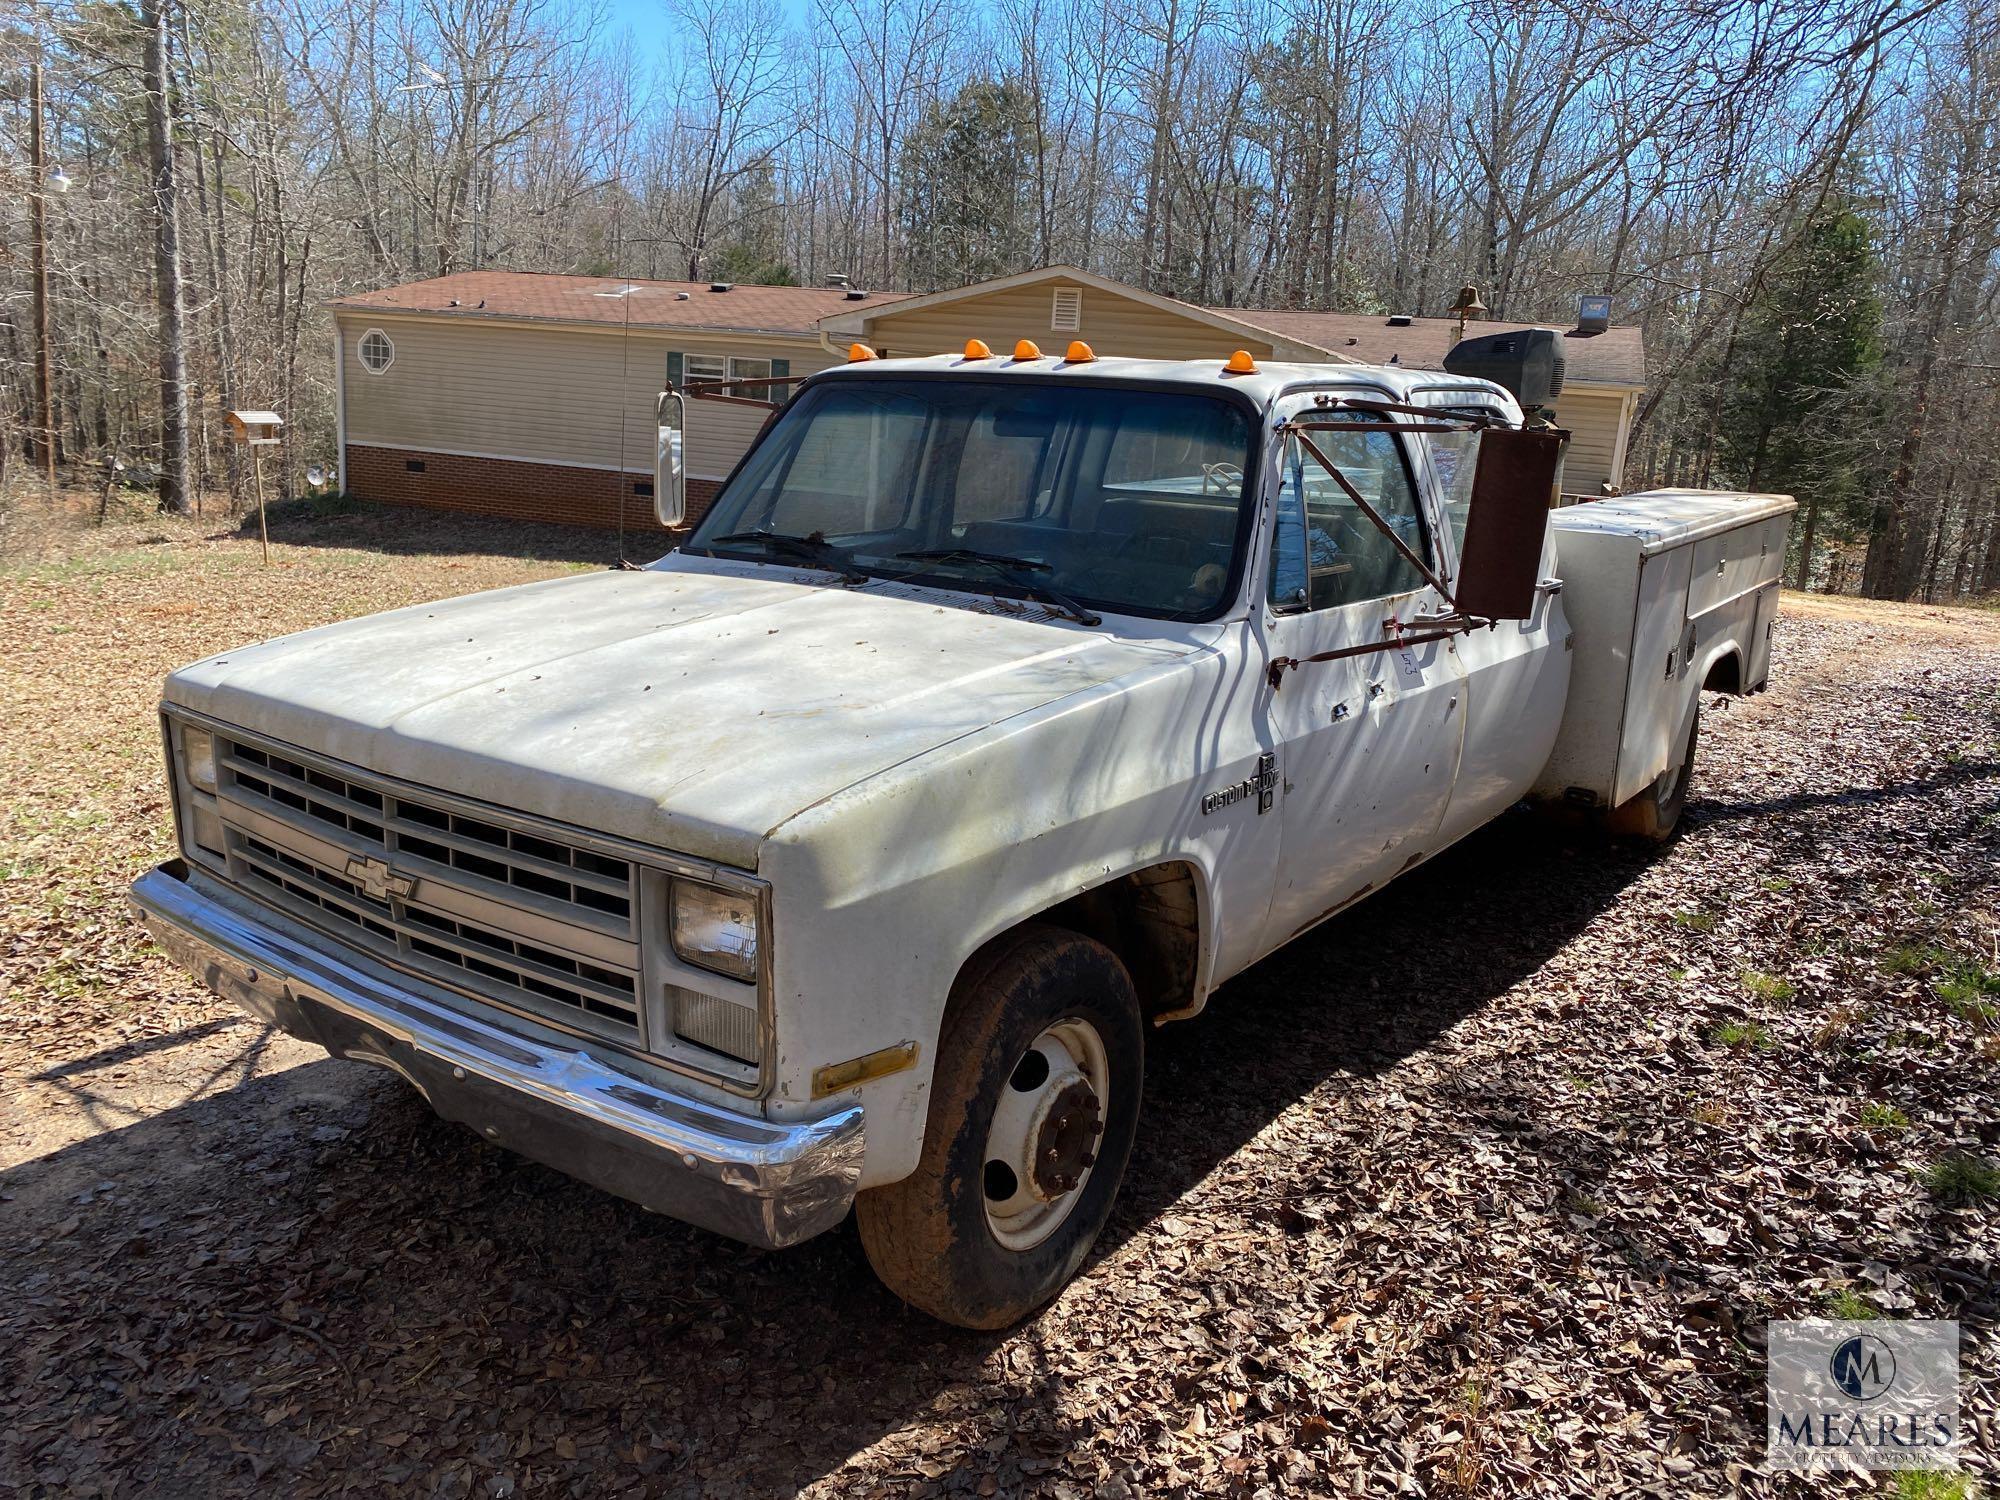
1221,475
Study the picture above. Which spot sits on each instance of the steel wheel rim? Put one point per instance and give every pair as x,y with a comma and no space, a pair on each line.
1041,1144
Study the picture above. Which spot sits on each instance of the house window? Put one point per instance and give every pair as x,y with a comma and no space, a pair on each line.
750,369
375,351
716,367
1066,313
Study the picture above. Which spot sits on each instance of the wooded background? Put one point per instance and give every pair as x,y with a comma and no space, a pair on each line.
1800,202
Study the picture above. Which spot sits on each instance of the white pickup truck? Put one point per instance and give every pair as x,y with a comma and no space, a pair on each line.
998,710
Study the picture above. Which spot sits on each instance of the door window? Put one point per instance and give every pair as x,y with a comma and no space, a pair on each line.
1326,551
1455,459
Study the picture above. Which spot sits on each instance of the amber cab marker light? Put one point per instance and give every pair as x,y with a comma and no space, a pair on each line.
1026,350
1079,353
858,352
976,349
1240,363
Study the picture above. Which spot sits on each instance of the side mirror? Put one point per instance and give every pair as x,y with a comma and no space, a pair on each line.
1507,520
669,474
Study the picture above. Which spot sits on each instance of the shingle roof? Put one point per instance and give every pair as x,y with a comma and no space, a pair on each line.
1615,357
549,297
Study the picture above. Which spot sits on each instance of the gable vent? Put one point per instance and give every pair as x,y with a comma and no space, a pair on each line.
1066,313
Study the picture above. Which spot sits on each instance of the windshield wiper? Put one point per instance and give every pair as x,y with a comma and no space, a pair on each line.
814,549
974,555
1017,571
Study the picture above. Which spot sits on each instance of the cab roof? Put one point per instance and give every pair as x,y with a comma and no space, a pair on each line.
1269,380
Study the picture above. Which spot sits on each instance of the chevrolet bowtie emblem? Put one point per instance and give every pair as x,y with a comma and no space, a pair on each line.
378,879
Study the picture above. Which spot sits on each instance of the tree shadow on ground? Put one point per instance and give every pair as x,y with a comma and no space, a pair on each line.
310,1275
421,531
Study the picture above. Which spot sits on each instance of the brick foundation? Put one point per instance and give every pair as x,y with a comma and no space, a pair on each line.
517,491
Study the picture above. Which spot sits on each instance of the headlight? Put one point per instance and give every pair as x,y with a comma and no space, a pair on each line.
716,929
198,757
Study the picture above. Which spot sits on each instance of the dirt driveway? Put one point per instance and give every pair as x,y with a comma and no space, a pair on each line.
1502,1211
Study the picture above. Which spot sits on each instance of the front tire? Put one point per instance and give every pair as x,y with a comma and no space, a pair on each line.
1034,1105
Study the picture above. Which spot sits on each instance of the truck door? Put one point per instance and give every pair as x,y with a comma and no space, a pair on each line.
1517,672
1368,744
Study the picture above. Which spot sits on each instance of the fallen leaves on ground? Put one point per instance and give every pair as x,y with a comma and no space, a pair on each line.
1489,1187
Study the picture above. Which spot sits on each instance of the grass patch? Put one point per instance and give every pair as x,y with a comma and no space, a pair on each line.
1849,1306
1962,1178
1912,958
1743,1035
1878,1116
1971,991
1773,987
1776,883
1933,1484
1711,1112
1695,921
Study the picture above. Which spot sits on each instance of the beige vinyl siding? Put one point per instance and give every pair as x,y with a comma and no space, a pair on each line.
1592,418
1113,326
545,395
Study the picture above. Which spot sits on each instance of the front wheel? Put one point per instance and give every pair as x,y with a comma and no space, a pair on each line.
1656,812
1034,1104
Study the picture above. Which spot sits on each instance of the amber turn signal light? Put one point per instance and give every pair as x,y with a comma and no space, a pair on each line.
1079,353
976,349
1026,350
1240,363
858,352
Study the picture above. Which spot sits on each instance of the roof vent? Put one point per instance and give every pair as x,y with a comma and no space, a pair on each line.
1399,320
1593,314
839,279
855,294
721,286
1066,309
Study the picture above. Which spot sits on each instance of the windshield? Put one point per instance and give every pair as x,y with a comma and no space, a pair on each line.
1118,499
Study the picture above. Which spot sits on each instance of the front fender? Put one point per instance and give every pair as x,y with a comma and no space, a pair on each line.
882,892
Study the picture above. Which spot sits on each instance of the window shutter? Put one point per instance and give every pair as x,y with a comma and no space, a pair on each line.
1066,312
675,367
780,368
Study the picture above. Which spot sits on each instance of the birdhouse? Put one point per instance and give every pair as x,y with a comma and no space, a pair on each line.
256,428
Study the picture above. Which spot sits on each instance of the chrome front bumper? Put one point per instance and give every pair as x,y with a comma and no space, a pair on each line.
763,1183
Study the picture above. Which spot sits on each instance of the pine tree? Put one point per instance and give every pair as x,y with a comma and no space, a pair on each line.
1798,415
969,210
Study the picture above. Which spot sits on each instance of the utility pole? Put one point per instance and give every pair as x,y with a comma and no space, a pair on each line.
38,219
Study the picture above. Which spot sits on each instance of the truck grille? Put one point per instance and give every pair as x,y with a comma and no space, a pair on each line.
526,918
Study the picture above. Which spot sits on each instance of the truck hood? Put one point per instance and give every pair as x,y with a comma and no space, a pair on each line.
690,708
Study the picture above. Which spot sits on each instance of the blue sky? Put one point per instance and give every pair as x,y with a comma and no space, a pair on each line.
647,20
